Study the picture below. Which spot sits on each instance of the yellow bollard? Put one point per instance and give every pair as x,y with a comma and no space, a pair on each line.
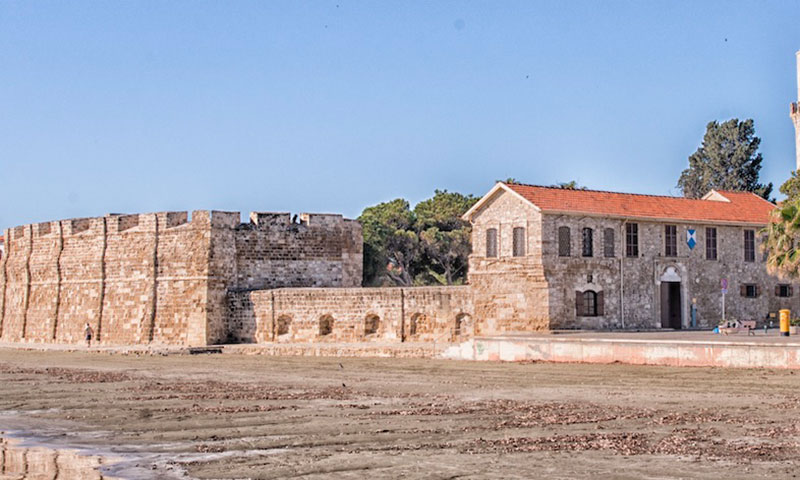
785,322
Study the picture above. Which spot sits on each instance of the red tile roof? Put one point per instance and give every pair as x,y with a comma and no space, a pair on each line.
742,207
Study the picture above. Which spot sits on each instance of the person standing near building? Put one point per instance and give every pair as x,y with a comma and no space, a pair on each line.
87,333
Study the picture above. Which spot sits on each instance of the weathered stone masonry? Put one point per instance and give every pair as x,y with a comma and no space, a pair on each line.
542,259
161,277
539,287
417,314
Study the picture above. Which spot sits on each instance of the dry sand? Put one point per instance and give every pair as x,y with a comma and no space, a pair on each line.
231,416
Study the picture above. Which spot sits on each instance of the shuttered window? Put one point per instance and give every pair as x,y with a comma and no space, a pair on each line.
784,290
608,242
563,242
491,242
749,290
519,242
589,303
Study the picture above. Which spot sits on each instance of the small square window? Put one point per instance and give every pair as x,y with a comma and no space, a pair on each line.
783,290
749,290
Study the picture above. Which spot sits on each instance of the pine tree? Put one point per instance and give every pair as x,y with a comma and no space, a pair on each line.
728,159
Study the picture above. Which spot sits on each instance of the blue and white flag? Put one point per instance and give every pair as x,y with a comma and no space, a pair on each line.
691,238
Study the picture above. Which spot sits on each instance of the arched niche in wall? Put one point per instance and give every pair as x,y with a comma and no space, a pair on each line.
325,325
372,323
463,326
283,325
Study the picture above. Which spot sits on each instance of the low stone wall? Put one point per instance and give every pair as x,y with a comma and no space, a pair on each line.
674,353
419,314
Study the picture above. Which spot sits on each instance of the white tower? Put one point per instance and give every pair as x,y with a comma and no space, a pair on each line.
795,114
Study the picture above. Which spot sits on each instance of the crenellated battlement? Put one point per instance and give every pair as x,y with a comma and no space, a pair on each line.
121,222
162,277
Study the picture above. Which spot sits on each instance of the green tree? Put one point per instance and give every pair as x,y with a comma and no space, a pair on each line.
791,187
782,238
444,237
390,243
783,231
425,246
728,159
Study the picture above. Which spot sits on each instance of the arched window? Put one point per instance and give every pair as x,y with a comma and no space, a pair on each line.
588,243
589,303
325,325
284,324
371,324
563,242
518,242
491,242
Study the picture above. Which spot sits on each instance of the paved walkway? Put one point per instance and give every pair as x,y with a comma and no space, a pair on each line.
694,336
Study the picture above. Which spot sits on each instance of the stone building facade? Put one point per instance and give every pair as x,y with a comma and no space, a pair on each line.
551,258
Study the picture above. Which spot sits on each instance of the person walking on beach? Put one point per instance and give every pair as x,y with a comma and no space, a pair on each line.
87,333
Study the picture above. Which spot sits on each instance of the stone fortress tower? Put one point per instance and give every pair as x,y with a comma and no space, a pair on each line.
795,114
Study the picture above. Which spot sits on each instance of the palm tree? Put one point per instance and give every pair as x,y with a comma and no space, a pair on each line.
782,237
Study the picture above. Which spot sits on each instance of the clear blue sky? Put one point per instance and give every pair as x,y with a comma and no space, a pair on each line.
331,106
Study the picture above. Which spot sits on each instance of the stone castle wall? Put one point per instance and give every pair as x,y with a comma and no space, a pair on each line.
161,277
272,251
417,314
133,278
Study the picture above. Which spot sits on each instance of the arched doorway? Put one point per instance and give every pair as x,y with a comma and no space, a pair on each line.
671,311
